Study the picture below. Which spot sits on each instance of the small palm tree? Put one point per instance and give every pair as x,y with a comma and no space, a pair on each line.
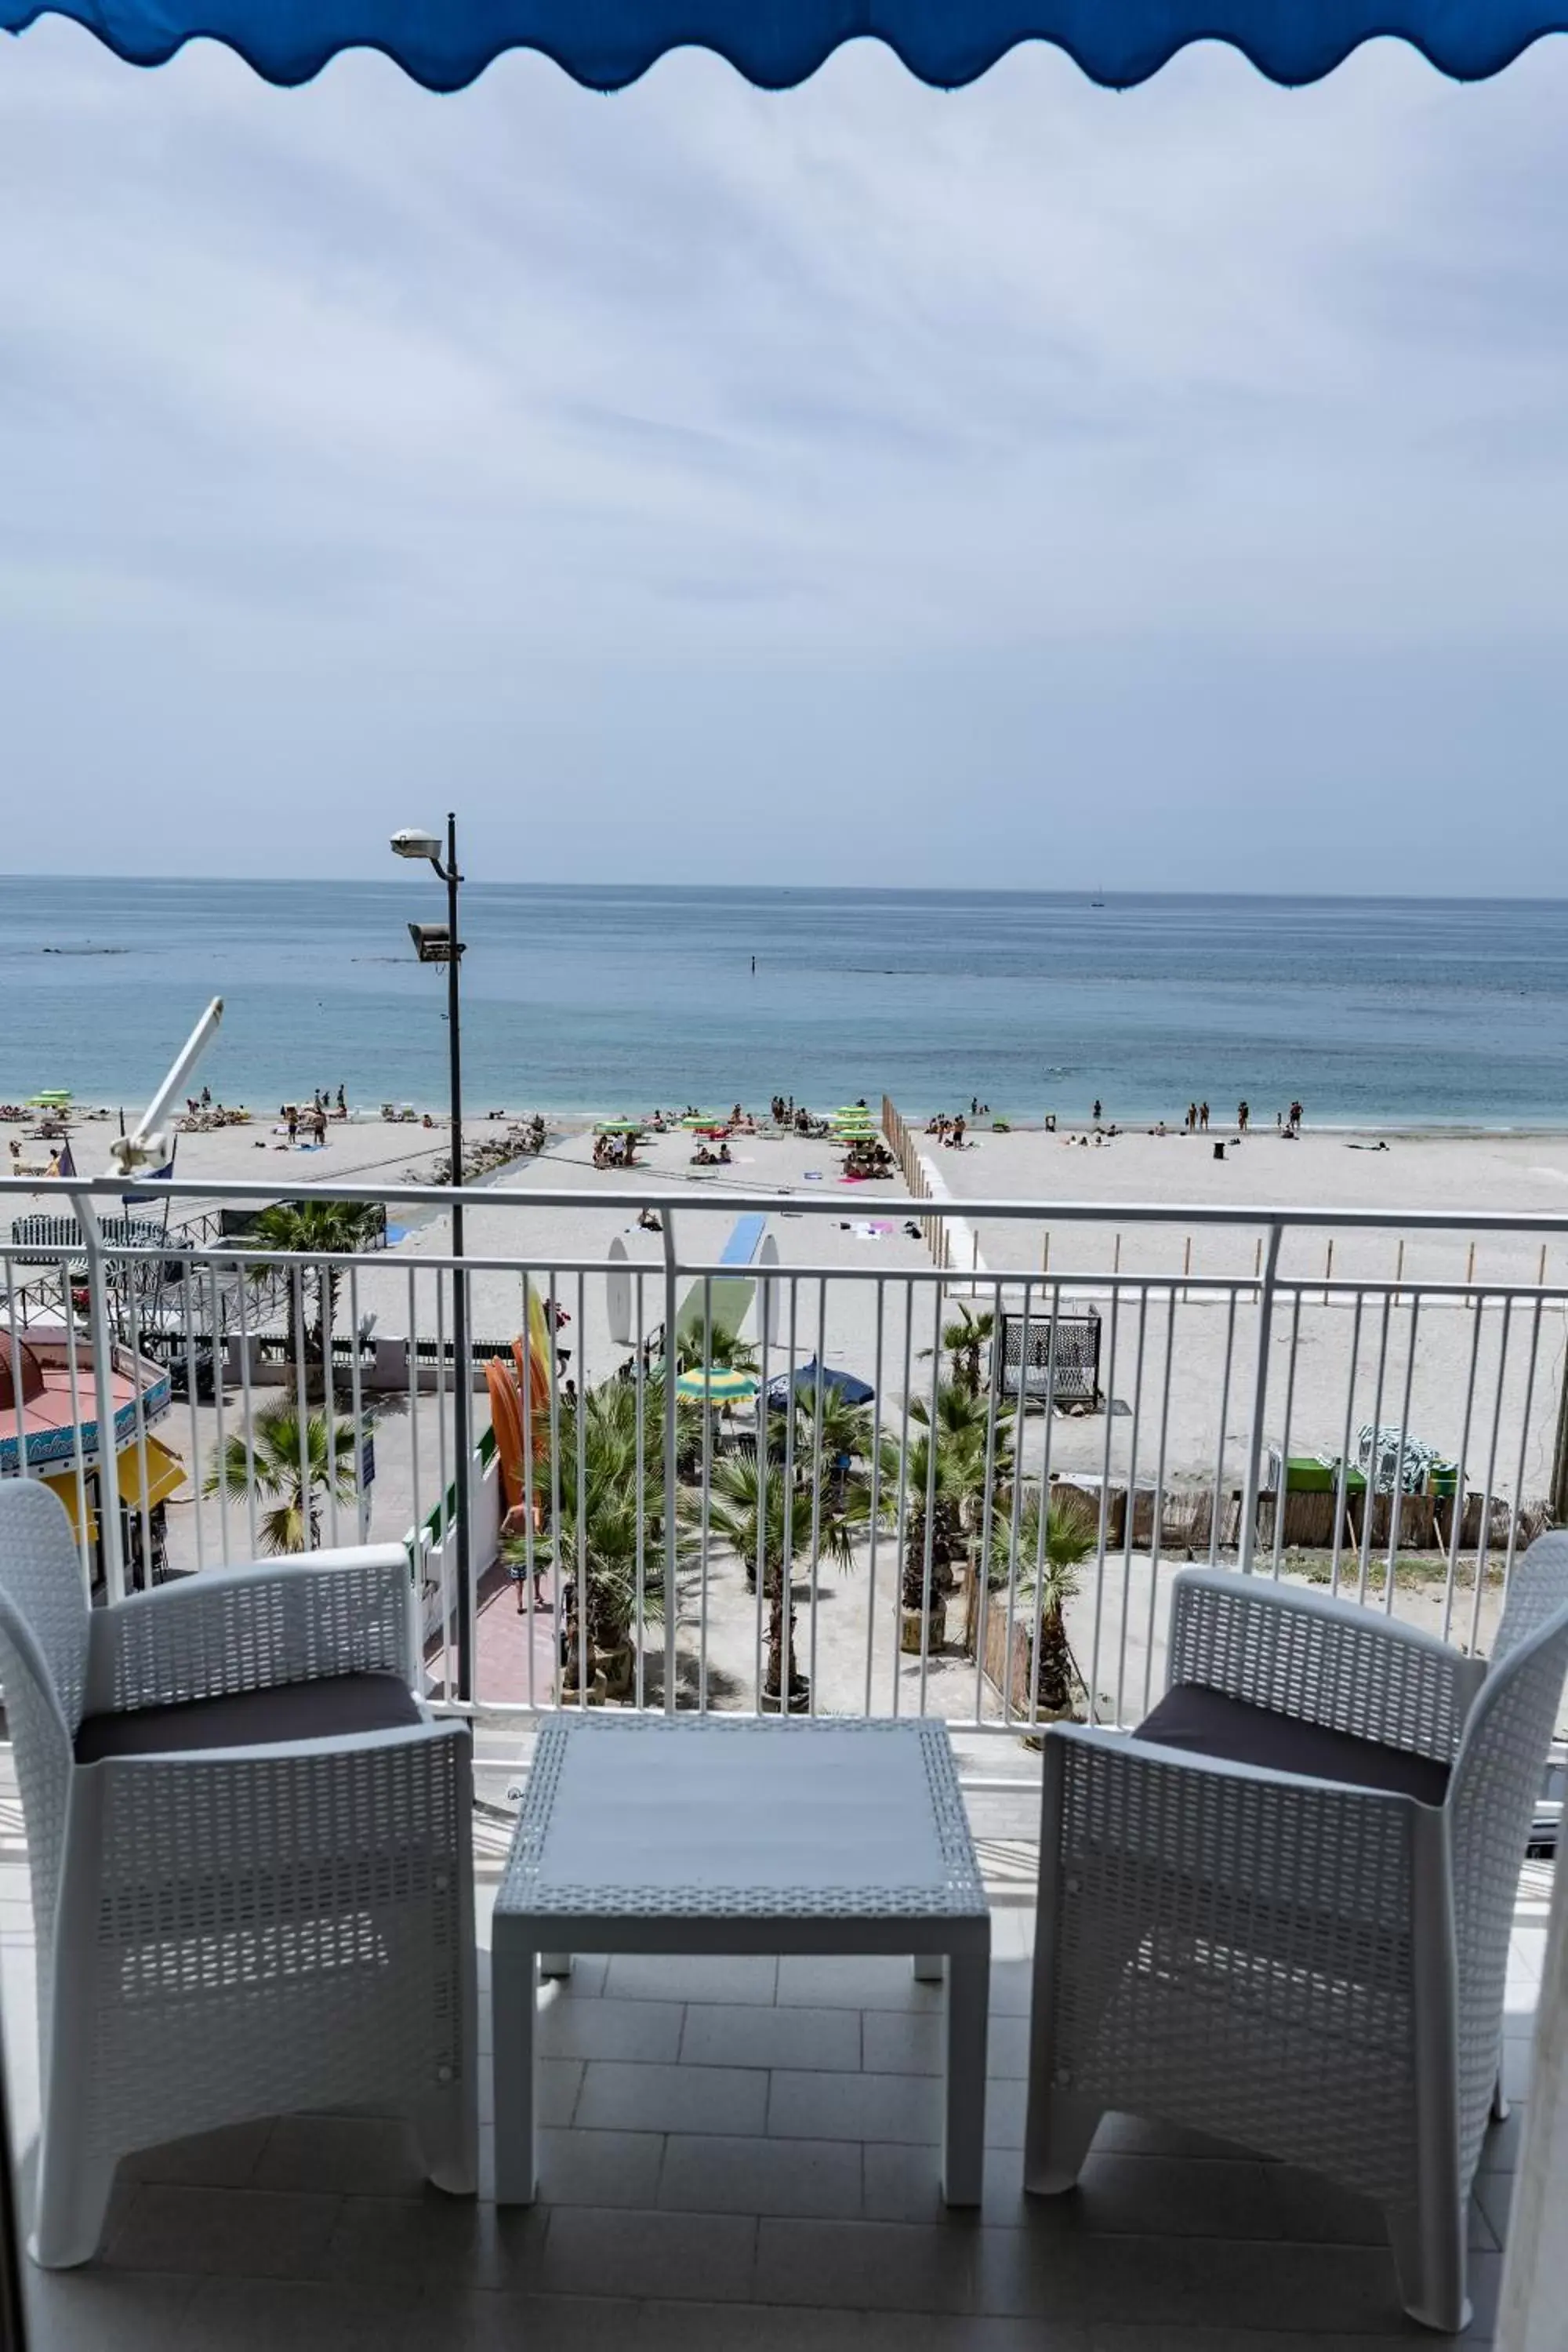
829,1431
964,1423
271,1470
1047,1561
961,1411
609,1526
938,1480
964,1339
606,1516
968,1444
773,1532
720,1349
319,1230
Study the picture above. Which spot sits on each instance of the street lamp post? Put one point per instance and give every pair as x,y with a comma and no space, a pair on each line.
438,944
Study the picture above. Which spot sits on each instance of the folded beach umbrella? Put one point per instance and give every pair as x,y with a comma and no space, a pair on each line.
533,1358
445,44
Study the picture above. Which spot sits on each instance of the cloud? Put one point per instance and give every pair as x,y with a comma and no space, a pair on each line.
984,487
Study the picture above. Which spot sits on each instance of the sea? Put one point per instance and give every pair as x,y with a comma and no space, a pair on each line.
1384,1012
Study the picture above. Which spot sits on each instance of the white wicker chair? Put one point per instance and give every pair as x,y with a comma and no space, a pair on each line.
1291,1927
251,1854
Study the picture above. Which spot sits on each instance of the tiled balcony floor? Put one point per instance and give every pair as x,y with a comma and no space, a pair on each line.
740,2153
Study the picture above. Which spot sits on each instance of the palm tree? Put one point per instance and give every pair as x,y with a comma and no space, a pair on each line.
960,1412
725,1350
829,1431
606,1514
1046,1566
938,1480
964,1339
321,1230
270,1470
775,1531
963,1425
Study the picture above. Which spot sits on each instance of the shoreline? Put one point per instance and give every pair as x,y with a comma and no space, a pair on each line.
577,1120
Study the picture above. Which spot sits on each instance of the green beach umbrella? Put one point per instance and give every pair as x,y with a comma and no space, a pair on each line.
717,1385
619,1126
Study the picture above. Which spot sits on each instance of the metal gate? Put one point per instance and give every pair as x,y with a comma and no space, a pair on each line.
1048,1359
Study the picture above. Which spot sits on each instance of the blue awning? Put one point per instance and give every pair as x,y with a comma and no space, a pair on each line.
777,43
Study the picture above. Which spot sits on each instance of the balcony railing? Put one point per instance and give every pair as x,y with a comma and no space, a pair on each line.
1372,1401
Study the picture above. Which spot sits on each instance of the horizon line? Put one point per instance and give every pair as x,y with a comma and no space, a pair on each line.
1095,893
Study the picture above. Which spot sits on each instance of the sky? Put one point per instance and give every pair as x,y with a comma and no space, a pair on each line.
1029,487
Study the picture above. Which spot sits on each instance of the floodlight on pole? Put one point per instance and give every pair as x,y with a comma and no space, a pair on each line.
439,943
432,942
413,843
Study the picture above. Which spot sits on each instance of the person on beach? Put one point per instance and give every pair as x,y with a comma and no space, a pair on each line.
514,1528
1203,1118
1192,1119
1097,1110
293,1118
1242,1115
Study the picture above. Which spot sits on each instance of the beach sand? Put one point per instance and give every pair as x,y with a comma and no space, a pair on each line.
1174,1417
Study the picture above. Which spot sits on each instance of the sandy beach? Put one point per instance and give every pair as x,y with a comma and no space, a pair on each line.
1176,1363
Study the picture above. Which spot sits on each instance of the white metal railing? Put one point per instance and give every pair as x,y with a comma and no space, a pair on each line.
889,1574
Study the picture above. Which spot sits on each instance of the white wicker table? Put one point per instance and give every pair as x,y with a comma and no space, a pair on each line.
655,1834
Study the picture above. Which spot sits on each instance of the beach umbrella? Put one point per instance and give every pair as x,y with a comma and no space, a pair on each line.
446,44
51,1098
619,1126
803,1380
716,1386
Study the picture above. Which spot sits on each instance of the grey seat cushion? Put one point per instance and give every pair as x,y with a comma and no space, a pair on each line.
331,1707
1211,1723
